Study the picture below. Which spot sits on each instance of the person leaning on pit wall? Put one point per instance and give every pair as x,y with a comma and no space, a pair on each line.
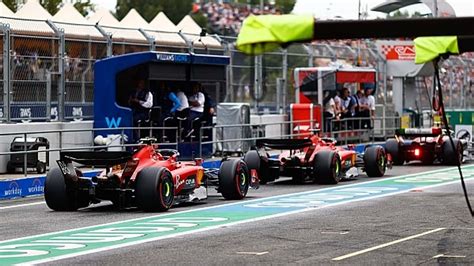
183,109
329,110
141,102
196,109
367,107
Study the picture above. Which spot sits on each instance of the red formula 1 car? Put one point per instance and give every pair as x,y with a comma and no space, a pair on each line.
150,179
314,158
425,145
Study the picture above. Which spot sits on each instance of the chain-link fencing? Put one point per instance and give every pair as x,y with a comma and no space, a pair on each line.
47,73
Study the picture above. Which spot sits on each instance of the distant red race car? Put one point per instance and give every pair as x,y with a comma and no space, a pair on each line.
315,158
150,179
425,145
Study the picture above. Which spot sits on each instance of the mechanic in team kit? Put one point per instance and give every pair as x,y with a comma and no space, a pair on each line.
141,102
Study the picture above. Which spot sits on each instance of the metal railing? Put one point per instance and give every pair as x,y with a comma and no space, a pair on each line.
345,133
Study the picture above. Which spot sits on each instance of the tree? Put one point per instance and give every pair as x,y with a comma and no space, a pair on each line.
200,19
399,14
84,7
11,4
285,6
175,10
52,6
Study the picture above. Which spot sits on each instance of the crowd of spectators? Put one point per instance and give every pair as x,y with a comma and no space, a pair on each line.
226,18
343,111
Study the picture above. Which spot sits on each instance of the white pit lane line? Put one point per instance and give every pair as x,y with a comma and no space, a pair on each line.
22,205
357,253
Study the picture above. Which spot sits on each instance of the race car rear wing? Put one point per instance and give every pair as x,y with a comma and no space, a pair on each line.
419,132
96,158
284,144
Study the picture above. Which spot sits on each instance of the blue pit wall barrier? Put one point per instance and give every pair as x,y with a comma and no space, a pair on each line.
34,186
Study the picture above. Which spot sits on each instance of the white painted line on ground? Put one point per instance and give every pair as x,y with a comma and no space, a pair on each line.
335,233
448,256
22,205
253,253
357,253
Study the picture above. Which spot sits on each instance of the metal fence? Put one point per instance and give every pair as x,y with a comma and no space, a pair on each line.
61,139
46,68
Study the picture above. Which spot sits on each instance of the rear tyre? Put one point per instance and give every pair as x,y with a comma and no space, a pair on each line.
254,161
452,156
375,161
57,196
327,167
234,179
154,189
393,148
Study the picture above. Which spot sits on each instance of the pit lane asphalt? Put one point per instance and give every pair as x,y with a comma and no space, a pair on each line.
313,237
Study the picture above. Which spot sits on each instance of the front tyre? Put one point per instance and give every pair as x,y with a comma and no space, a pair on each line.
254,161
327,167
375,161
56,194
154,189
234,179
393,148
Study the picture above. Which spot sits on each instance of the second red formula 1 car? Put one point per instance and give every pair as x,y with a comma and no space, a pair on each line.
315,158
150,179
426,145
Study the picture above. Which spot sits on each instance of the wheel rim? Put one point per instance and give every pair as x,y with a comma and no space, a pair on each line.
336,168
166,192
381,161
241,179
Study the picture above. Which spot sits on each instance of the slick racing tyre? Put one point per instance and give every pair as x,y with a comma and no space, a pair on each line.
154,189
452,156
254,161
375,161
57,196
234,179
393,148
327,167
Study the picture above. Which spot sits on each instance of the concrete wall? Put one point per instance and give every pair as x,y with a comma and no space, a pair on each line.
68,139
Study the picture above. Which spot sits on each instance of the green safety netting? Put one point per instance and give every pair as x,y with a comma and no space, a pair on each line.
429,48
264,33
